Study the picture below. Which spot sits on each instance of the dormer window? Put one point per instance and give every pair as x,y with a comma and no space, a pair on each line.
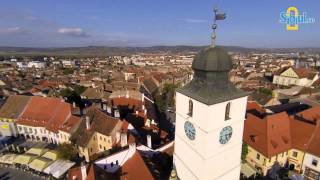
227,112
190,111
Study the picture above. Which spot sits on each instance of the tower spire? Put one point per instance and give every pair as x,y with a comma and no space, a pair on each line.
217,16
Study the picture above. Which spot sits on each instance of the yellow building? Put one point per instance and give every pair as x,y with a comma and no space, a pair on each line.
278,138
9,112
263,163
97,133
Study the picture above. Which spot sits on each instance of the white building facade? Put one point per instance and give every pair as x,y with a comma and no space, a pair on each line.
210,114
298,77
311,166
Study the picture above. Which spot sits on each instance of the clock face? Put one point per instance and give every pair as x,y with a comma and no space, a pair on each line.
189,130
225,134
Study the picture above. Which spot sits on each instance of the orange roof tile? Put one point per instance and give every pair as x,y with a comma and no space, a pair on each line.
270,135
51,113
135,168
314,145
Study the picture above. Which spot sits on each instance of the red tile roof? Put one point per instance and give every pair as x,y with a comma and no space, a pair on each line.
301,133
130,102
314,145
252,105
135,168
278,133
51,113
268,136
312,114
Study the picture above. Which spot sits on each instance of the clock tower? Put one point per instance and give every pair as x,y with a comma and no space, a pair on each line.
210,114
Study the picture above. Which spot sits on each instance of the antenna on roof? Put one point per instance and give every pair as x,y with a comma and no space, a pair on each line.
217,16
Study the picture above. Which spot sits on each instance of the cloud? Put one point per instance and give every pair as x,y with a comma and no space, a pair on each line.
190,20
93,18
12,30
77,32
29,17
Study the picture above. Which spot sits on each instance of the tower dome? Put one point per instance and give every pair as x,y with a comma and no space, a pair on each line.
213,59
210,83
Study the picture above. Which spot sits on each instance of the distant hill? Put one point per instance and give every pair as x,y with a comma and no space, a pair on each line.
113,51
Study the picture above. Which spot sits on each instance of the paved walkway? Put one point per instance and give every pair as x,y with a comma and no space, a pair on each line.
13,174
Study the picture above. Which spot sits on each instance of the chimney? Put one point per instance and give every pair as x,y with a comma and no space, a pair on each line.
74,105
137,113
109,109
84,172
118,136
143,107
147,123
132,148
104,107
88,122
127,94
145,111
149,141
116,113
142,97
124,139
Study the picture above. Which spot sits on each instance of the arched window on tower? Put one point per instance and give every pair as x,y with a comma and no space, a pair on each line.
190,112
227,113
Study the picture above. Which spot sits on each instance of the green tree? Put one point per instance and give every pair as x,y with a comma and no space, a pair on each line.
79,89
166,98
67,71
72,96
265,91
244,152
66,151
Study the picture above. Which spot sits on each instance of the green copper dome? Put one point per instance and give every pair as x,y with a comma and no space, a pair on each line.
212,59
210,83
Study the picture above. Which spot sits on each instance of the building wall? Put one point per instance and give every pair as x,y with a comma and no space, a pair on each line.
8,127
310,170
297,161
264,163
204,157
97,144
63,137
42,134
292,80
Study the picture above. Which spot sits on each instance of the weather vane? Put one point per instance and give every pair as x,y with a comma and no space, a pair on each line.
217,16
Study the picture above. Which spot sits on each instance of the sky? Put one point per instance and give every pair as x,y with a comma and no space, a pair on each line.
75,23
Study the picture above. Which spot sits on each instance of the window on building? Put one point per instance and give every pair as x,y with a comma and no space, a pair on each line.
227,112
101,138
315,162
294,153
117,162
190,111
258,156
100,146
